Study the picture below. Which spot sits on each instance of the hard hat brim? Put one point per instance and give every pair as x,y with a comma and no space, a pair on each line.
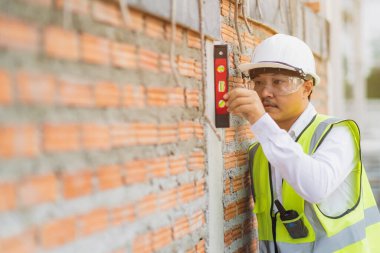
247,66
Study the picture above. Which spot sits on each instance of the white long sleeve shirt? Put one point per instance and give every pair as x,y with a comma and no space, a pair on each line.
322,178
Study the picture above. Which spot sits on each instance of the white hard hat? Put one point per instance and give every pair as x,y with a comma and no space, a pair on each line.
284,52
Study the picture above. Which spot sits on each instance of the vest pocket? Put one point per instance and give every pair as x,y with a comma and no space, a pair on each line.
297,230
296,227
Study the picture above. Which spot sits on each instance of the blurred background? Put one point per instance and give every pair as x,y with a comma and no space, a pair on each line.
107,134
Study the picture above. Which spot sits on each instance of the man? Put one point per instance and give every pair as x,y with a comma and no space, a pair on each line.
310,189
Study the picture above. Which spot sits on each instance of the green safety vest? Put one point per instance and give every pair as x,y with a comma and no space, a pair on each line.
356,230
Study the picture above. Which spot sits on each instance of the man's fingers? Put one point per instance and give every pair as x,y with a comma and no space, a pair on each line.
238,92
233,104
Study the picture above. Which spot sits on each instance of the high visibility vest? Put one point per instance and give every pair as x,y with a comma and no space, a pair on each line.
356,230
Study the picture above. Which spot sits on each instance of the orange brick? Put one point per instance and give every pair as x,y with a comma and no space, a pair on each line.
148,60
109,177
229,160
161,238
60,43
34,88
136,171
178,33
228,9
57,232
133,96
242,206
229,134
123,55
176,96
7,196
197,160
164,63
154,27
147,205
146,133
186,66
185,130
158,167
143,244
230,211
95,136
61,137
38,189
72,93
198,71
181,228
167,133
76,6
228,33
94,221
201,248
200,188
17,34
186,192
107,95
192,97
95,50
197,220
241,158
227,186
122,135
237,183
107,12
77,184
157,96
136,22
193,40
18,141
167,199
177,164
199,131
120,215
5,88
315,6
21,243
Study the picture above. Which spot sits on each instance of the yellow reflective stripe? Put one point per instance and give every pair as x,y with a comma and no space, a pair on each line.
346,237
268,247
319,131
349,235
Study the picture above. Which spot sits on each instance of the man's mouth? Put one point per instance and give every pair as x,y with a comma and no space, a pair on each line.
268,104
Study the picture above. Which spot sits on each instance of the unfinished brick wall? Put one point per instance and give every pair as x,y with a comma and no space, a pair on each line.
100,149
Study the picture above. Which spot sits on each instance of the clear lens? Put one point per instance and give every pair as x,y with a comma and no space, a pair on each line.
278,85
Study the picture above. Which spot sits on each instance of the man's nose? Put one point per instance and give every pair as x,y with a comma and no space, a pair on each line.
267,91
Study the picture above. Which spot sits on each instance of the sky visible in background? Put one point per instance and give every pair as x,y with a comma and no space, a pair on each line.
371,29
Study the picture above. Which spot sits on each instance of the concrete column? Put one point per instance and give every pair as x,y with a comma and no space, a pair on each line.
359,87
214,164
336,104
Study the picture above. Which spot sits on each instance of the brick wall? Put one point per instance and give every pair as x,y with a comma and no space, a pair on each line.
100,149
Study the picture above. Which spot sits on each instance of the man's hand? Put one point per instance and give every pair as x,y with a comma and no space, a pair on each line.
245,103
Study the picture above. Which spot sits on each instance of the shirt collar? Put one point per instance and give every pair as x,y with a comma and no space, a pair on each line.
302,121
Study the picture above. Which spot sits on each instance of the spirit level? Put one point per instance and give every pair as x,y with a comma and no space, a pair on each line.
222,117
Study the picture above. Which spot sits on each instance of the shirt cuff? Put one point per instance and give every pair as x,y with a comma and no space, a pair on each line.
264,128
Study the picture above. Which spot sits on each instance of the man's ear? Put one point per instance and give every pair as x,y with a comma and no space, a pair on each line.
308,88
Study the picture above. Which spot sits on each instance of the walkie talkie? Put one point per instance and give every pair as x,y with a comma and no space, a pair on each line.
292,222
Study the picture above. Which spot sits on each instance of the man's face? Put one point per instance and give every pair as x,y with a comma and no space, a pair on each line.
284,98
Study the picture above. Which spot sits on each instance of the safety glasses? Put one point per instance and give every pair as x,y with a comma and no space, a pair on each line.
278,85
